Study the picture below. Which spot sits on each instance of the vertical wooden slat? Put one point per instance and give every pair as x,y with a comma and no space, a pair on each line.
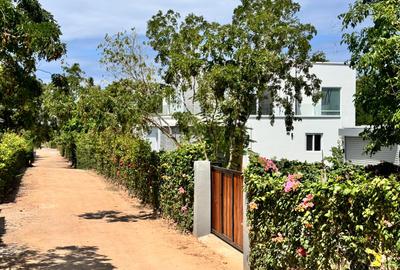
238,210
216,201
227,201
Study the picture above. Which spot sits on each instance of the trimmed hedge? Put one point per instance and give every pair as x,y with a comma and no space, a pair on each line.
177,183
163,180
312,217
127,160
16,153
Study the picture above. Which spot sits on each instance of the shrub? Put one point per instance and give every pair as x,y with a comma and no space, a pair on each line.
327,218
123,158
384,169
129,161
177,184
15,153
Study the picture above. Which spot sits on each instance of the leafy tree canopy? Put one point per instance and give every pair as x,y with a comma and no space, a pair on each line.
373,38
28,33
264,51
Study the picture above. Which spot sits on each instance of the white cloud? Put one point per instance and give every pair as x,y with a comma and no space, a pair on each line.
85,22
88,19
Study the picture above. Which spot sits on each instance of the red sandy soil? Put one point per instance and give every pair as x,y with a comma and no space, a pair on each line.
64,218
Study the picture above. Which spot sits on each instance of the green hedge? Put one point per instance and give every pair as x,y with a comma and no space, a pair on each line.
163,180
123,158
177,183
16,152
312,217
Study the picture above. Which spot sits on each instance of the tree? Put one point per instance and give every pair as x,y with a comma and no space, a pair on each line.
62,94
374,41
362,117
123,56
28,34
264,51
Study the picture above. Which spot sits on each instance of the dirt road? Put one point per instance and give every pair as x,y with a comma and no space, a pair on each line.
73,219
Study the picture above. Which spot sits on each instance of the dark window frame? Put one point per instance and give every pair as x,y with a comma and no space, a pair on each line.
314,142
337,112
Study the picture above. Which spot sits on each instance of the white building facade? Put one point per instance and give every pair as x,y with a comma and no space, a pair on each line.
330,122
318,131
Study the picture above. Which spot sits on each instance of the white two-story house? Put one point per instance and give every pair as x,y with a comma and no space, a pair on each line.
330,122
318,131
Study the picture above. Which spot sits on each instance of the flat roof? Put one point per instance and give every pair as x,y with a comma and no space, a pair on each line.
351,132
331,63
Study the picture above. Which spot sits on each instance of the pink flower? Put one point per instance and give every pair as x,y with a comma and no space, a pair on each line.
118,173
288,186
181,190
184,209
268,164
306,203
301,252
292,183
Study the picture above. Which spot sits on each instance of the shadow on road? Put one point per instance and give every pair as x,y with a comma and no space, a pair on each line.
2,229
69,257
116,216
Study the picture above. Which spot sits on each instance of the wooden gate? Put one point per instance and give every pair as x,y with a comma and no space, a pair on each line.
227,205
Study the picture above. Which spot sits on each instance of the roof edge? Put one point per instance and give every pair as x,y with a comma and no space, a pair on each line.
331,64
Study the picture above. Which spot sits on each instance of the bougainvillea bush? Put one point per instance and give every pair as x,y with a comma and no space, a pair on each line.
321,217
177,183
16,152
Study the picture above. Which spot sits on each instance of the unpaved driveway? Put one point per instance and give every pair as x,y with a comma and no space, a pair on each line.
73,219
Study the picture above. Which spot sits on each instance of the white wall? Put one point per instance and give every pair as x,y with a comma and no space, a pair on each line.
153,138
272,141
340,75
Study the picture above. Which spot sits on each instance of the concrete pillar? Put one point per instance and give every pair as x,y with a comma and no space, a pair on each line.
202,198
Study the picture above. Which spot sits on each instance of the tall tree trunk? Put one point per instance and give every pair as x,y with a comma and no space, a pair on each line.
237,148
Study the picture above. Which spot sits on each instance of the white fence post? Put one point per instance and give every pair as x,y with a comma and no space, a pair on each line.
202,198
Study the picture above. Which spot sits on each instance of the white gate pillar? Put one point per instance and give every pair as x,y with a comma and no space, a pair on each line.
202,198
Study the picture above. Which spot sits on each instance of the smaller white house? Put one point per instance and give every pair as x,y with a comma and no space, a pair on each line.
354,147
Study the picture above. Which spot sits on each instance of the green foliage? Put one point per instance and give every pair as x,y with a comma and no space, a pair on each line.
165,180
302,217
127,160
362,116
264,51
375,52
28,33
177,184
136,86
16,152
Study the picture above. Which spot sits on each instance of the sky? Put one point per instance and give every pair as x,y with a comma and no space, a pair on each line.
84,23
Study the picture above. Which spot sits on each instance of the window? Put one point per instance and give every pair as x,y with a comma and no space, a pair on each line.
330,104
313,142
263,105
